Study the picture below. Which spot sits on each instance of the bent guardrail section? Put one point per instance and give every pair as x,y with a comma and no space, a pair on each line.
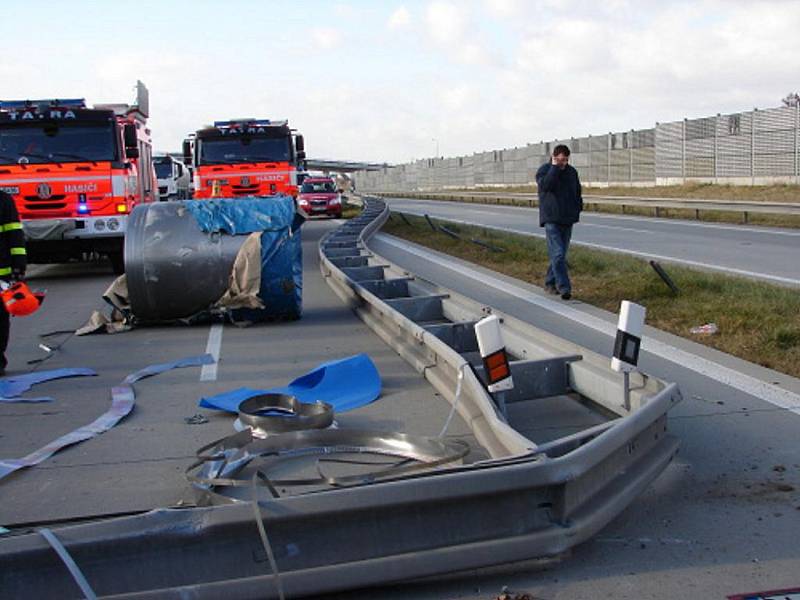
529,500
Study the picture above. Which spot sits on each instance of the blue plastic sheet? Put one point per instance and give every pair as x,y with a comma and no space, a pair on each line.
12,387
345,384
237,216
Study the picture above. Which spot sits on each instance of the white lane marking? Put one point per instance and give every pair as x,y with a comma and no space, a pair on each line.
209,372
750,385
670,259
596,215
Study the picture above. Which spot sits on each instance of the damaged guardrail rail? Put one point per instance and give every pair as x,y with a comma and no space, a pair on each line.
566,457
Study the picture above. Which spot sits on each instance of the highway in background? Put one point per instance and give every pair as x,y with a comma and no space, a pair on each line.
765,253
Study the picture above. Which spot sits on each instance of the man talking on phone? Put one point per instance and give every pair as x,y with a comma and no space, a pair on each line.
560,206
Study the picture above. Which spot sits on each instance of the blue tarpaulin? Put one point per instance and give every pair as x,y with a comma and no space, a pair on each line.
237,216
345,384
281,288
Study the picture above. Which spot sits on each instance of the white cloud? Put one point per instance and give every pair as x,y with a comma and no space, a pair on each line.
344,10
453,31
325,38
504,8
400,18
446,22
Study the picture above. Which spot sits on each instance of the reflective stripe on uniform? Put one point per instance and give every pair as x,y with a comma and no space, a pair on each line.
10,226
18,252
5,270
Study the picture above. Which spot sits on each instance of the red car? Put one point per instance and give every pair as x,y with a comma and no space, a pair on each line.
319,196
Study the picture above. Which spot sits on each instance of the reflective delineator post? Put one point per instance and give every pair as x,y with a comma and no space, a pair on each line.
495,359
627,343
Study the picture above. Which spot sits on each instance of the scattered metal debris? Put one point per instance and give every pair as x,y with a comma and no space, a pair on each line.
707,329
197,419
223,461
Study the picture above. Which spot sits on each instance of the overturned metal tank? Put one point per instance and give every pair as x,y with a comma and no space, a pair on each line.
178,260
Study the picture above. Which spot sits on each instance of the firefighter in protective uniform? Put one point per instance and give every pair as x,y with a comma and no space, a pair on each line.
13,260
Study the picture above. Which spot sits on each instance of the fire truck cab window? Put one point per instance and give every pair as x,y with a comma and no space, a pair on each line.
56,143
145,152
244,149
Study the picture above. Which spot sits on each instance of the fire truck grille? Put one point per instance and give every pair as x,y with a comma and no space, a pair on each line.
244,190
54,202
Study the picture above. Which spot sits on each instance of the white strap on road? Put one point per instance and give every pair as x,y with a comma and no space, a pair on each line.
209,371
68,561
745,383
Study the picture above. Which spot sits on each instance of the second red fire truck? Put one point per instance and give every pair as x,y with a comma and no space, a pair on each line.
245,157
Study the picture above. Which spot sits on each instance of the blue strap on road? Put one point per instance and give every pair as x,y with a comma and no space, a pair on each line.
345,384
12,387
122,400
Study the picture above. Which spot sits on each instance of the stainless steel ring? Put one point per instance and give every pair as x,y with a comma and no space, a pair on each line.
292,415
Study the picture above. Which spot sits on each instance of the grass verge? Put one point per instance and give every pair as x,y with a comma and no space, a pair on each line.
756,321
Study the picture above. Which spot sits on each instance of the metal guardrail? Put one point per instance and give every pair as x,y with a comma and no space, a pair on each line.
656,204
528,500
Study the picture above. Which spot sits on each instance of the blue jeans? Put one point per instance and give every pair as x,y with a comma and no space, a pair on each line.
558,237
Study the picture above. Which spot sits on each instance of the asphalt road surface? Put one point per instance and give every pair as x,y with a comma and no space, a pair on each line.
759,252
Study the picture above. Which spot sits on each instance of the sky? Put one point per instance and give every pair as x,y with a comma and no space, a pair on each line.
395,81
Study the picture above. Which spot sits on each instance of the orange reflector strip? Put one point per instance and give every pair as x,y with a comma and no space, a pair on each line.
498,373
496,365
496,359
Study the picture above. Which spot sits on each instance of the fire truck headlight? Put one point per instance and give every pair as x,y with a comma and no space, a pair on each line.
100,225
122,208
113,224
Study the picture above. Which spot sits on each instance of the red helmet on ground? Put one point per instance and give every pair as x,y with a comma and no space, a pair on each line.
19,300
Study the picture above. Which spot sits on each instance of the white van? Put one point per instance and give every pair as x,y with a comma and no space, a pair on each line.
173,178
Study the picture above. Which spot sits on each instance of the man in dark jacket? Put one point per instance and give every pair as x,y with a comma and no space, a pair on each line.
560,206
12,262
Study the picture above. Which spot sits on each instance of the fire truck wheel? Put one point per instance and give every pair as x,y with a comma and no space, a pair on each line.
117,260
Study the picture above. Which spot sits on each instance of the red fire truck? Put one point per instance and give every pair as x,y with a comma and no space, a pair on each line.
75,173
245,157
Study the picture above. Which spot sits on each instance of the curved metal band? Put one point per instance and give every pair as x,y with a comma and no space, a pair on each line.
293,414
